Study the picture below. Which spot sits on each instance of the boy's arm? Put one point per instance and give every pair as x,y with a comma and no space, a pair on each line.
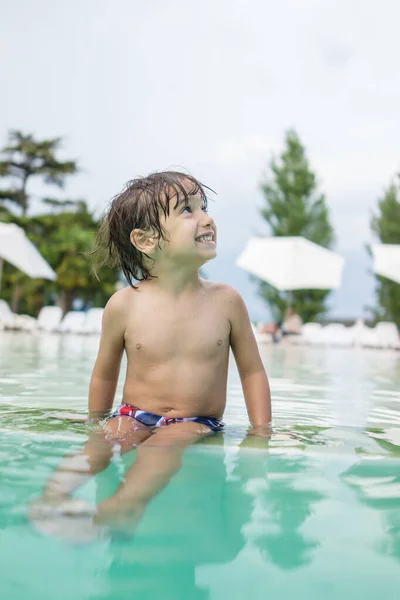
251,370
105,373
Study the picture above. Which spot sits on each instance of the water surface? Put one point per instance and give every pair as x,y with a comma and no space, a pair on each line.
313,513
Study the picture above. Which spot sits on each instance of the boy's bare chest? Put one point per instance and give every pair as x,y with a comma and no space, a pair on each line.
161,331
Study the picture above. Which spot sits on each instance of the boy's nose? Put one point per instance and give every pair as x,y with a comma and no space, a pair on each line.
207,220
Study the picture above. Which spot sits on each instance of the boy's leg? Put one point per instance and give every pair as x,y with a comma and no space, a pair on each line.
157,460
52,512
75,469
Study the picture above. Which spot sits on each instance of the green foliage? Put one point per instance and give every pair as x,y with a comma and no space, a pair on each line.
386,226
64,234
64,240
26,157
293,207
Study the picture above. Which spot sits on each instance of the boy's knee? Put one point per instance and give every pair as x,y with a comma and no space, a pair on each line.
125,430
117,427
179,435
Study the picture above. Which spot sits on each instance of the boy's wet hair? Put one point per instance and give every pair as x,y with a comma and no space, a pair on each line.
139,206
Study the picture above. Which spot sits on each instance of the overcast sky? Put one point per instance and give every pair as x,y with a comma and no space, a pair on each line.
212,86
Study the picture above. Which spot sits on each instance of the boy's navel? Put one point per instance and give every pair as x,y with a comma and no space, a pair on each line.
138,346
219,342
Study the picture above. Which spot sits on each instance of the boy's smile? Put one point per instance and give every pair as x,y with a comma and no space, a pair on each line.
207,238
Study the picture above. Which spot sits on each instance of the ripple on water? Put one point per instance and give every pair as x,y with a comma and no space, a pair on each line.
290,513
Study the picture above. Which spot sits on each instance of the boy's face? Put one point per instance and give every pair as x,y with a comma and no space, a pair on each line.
191,232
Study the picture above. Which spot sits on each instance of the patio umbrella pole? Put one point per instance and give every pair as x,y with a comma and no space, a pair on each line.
289,300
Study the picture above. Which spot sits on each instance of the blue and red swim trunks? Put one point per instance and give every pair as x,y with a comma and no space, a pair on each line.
126,410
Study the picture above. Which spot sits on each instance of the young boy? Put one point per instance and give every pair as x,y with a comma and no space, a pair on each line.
176,330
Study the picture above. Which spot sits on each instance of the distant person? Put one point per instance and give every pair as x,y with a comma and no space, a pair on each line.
291,325
176,329
292,322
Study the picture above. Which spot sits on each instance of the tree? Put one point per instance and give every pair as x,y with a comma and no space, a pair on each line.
294,207
24,158
63,235
64,239
385,224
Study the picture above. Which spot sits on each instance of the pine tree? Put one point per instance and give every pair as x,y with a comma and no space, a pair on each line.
386,226
24,158
294,207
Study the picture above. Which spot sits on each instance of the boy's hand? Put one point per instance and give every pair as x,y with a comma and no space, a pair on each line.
95,417
262,431
66,518
257,436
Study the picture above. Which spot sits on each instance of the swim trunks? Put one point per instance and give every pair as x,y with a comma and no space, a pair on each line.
126,410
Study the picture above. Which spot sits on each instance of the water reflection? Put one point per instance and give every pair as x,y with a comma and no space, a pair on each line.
232,521
197,519
280,508
376,482
231,516
218,506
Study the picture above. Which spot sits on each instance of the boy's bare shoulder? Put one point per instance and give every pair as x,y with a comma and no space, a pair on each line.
231,304
224,291
120,301
120,297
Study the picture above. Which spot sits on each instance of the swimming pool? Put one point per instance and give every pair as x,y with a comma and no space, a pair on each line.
316,514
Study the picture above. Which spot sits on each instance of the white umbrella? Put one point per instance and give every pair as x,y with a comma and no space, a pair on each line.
18,250
292,263
387,260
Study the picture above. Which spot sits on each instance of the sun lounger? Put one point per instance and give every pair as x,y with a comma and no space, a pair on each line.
368,338
384,335
25,323
93,320
72,322
49,318
387,335
10,320
310,334
7,317
337,334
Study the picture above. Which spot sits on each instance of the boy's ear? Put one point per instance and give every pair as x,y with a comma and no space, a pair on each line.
144,241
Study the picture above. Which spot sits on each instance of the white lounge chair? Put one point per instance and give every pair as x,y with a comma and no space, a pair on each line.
10,320
368,338
25,323
311,333
7,317
93,320
72,322
357,331
384,335
49,318
387,335
337,334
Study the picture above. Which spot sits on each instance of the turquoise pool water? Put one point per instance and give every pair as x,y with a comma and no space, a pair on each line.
313,514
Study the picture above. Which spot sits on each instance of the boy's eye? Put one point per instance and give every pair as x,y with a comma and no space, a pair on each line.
188,209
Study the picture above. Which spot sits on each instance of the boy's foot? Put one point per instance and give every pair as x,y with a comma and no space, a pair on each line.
66,518
119,520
